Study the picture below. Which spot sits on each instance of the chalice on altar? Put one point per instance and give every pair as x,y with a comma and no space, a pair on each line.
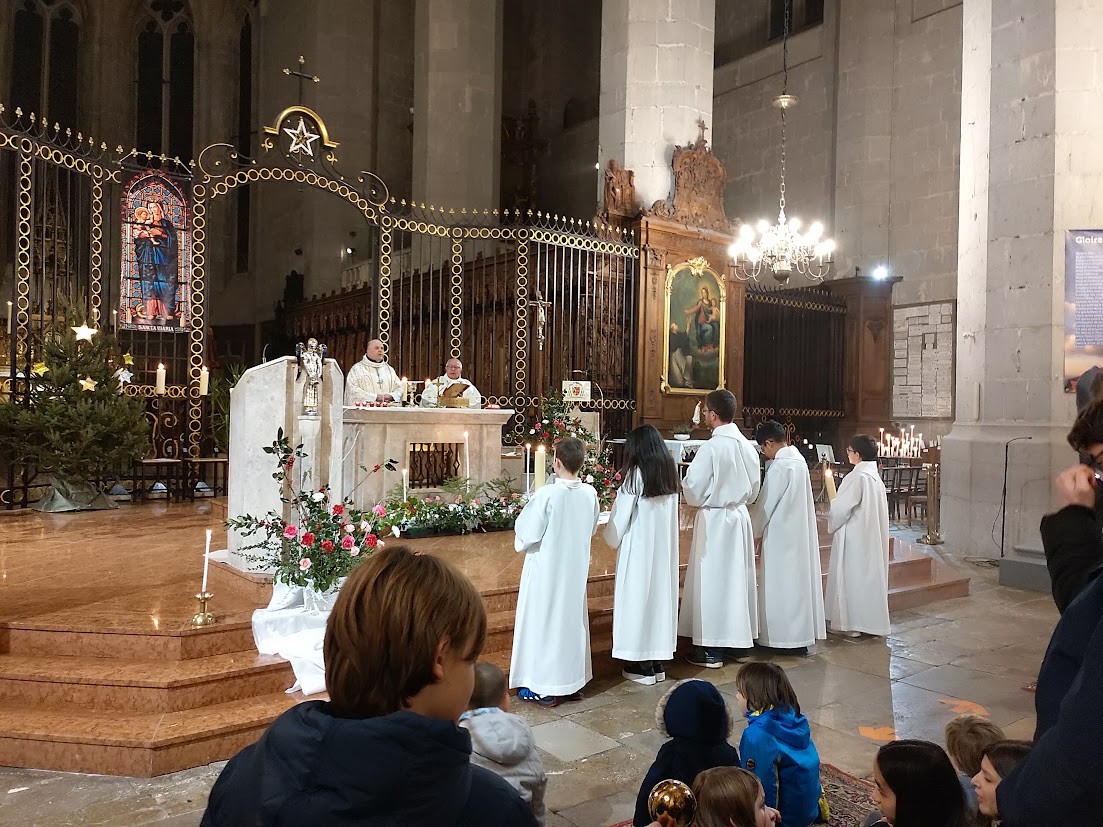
671,803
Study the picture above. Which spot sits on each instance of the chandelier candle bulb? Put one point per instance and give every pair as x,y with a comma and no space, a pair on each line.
206,561
540,469
159,388
204,383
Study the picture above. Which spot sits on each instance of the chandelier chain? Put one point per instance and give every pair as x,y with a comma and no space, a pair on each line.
788,4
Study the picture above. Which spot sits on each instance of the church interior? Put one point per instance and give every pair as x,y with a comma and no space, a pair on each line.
554,219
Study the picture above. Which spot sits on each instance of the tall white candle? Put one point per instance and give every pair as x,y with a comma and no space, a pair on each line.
829,482
204,381
9,318
115,319
206,561
540,469
405,479
159,388
405,390
467,460
526,469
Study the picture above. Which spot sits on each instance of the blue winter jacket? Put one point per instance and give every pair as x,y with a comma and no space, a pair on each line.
777,747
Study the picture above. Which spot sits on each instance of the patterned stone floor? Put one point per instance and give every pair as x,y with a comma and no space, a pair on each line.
971,654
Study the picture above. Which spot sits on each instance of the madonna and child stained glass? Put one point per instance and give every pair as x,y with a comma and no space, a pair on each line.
156,255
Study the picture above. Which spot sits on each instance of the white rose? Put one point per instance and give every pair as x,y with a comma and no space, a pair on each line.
318,496
395,531
380,544
364,525
350,528
532,430
589,478
545,422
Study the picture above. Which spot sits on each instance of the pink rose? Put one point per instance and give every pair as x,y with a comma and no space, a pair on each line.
354,552
338,510
347,542
290,532
371,541
308,539
474,502
428,500
616,476
304,564
380,510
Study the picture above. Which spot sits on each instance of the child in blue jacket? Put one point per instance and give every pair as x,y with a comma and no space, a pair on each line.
777,745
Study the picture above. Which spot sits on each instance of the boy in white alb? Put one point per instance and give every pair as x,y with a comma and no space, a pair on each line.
551,635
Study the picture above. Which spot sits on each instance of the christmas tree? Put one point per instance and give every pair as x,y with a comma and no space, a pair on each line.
79,426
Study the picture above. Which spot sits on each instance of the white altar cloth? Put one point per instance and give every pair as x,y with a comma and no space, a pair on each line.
288,627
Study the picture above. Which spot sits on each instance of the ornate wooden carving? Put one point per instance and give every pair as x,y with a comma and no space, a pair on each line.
699,179
620,192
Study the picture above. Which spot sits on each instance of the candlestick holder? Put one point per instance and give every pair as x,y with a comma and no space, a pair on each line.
203,617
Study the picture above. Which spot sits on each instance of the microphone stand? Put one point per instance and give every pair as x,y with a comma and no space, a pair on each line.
1003,498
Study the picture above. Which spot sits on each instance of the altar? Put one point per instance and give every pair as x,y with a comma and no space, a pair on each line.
430,444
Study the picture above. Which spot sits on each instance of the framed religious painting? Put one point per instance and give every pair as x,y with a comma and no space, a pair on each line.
156,255
694,323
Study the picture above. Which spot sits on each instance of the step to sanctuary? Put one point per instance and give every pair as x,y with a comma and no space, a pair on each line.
102,672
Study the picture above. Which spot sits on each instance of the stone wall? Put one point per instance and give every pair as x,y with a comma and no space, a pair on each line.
923,363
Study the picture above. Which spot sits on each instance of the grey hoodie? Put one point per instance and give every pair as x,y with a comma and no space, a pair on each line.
504,744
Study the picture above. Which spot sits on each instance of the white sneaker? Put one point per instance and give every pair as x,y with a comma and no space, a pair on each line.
642,680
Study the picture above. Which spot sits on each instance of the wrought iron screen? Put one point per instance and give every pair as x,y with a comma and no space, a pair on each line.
432,463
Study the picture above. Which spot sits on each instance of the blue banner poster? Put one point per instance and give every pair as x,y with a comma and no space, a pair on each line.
1083,306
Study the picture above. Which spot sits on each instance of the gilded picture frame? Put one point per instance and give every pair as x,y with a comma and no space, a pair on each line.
694,326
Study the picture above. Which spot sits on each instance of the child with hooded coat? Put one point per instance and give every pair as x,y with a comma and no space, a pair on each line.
693,713
777,744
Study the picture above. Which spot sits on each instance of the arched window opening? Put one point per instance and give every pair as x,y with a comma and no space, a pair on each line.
165,79
45,53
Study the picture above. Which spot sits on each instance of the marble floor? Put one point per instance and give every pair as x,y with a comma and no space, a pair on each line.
971,654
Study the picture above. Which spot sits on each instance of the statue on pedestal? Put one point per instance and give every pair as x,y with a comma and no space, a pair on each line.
311,357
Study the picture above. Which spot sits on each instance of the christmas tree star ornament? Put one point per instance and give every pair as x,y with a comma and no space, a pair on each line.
85,333
124,376
39,369
128,359
88,384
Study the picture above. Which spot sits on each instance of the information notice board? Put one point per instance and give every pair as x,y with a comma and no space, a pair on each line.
1083,303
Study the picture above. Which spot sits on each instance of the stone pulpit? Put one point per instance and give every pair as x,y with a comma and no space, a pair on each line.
269,397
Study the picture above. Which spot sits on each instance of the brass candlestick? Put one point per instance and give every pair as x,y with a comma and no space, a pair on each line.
203,618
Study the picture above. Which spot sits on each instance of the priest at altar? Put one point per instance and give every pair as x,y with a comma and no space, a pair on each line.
451,386
372,379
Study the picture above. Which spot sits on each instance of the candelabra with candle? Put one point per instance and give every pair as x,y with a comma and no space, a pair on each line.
203,617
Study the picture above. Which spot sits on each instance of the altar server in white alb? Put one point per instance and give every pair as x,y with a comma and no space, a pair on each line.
790,583
720,602
452,384
551,635
372,379
643,528
858,574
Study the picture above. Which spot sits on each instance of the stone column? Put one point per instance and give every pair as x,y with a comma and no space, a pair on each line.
863,133
457,103
656,84
1030,167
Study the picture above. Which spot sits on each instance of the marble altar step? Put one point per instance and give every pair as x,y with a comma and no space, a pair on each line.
232,633
140,687
68,738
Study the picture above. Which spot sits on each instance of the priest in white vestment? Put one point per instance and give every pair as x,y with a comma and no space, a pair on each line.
790,583
551,634
643,528
720,602
451,384
372,379
858,573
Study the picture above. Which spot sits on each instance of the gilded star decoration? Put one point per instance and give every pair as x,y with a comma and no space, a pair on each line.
301,138
88,384
40,369
128,359
85,333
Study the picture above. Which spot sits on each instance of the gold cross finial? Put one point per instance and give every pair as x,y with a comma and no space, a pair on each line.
301,74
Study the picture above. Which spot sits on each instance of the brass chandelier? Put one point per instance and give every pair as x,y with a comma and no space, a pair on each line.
782,249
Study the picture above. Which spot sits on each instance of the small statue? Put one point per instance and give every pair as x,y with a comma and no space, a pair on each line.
310,358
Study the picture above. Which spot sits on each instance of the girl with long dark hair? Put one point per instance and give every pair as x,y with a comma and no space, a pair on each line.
918,787
643,528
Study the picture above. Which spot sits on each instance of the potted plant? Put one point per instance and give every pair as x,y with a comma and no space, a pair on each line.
682,430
